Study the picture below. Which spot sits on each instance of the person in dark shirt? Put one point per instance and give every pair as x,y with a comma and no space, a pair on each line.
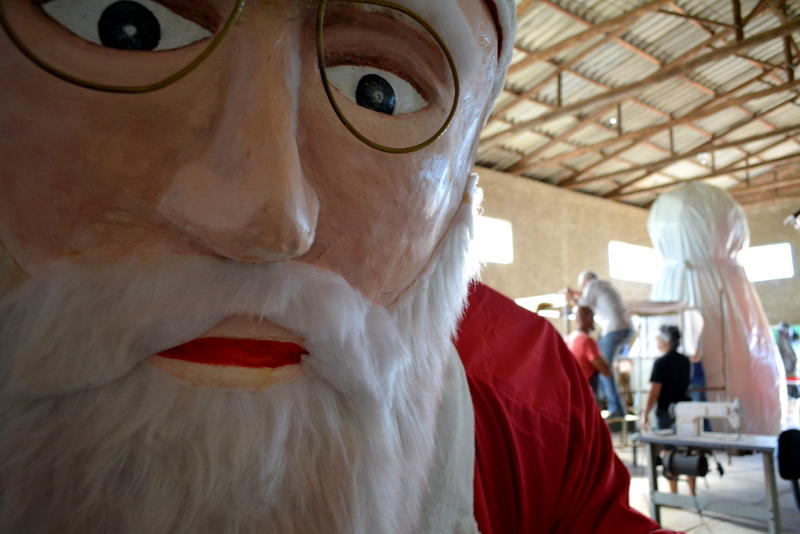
669,384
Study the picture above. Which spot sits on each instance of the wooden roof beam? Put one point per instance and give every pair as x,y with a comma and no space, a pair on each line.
632,89
641,102
564,136
641,52
737,19
759,8
524,6
680,10
589,33
705,147
683,57
695,114
622,42
765,186
656,166
530,92
560,67
527,162
775,201
695,18
795,156
587,121
746,159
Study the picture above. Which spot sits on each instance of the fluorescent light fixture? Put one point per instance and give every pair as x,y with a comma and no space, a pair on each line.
768,262
633,263
494,240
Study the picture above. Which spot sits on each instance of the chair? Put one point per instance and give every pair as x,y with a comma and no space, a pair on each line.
789,459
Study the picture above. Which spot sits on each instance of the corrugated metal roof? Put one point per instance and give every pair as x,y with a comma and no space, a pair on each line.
656,122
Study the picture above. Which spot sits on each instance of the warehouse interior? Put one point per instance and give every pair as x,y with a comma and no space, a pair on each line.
607,106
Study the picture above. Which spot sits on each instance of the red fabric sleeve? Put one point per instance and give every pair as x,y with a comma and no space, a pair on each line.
544,460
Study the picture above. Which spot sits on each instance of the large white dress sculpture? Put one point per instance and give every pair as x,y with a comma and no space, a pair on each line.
699,230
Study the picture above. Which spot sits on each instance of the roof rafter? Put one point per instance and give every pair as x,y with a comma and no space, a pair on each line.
795,156
585,121
778,201
697,113
705,147
587,34
709,146
662,75
724,170
786,182
591,115
701,20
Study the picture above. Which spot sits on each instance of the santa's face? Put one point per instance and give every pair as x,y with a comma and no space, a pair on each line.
232,203
244,158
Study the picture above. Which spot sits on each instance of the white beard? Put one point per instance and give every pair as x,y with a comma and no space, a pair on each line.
92,439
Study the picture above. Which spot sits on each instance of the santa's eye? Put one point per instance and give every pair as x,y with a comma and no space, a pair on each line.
375,89
126,24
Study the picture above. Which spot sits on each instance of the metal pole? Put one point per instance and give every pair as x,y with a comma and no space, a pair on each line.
774,522
652,476
722,346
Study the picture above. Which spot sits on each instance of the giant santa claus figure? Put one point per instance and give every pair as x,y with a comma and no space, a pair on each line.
234,255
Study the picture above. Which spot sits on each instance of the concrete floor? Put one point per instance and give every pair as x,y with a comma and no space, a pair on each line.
743,482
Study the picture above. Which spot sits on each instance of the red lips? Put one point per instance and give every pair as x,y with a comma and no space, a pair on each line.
234,352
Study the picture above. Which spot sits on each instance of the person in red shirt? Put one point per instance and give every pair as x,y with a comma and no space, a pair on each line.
585,349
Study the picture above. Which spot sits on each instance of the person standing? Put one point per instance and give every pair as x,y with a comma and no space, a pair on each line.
785,338
615,327
585,349
669,384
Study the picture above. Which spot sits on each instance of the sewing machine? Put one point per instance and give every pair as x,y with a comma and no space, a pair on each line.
689,436
689,416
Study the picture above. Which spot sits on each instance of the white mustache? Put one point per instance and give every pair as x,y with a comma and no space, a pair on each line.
77,325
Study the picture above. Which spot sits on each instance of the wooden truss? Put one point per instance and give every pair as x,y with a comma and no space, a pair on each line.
565,161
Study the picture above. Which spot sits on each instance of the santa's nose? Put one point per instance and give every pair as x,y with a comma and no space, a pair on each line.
244,195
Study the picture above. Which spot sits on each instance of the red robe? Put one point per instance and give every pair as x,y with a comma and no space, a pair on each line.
544,460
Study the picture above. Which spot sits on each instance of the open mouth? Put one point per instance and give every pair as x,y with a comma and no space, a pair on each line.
235,352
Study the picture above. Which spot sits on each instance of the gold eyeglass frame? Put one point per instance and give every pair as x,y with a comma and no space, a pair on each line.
131,89
232,18
329,91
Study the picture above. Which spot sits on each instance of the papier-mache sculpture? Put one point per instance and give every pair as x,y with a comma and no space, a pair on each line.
699,230
234,252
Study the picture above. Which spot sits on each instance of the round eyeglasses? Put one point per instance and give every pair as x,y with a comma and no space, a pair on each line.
387,74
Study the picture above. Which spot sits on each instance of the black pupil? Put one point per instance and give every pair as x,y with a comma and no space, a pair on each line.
375,93
129,26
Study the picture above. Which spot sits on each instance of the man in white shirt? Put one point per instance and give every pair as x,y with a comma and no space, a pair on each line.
615,325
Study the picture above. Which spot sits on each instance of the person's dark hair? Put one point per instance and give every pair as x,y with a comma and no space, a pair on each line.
584,311
671,334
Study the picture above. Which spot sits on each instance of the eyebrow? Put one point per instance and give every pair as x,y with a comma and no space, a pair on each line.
343,15
201,12
434,60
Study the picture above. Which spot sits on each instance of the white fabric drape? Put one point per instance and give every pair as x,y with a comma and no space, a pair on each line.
699,230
